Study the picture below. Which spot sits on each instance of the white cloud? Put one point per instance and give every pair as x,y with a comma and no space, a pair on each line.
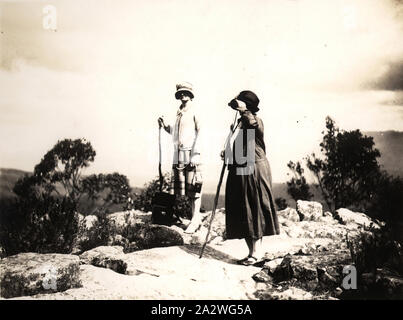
110,70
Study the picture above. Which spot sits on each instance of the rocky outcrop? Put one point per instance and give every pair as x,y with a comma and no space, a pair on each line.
321,268
146,261
32,273
131,230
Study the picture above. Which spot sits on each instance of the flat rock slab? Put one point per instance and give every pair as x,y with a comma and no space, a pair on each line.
166,273
183,262
32,273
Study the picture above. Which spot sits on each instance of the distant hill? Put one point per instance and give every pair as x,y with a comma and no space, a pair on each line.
390,144
8,177
279,190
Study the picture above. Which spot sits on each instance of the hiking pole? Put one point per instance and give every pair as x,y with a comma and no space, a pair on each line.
218,187
159,165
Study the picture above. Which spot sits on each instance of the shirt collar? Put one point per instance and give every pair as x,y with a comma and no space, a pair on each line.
181,111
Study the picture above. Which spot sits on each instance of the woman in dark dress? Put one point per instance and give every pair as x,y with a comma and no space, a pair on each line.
249,200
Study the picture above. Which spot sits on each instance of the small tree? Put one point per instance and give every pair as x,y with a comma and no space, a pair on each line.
60,174
60,168
43,218
297,187
107,190
349,170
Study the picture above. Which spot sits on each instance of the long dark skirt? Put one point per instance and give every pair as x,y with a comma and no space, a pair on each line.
249,204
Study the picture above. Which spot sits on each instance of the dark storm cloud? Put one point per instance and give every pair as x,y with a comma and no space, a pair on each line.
392,79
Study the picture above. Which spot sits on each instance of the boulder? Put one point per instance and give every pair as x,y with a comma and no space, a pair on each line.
292,267
346,216
200,236
292,293
106,257
288,214
294,231
327,280
118,240
316,229
262,276
217,241
309,210
147,236
123,219
272,265
32,273
88,222
218,225
322,267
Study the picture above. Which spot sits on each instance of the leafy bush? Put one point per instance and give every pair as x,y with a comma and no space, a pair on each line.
281,203
97,235
42,225
387,203
376,248
143,201
297,187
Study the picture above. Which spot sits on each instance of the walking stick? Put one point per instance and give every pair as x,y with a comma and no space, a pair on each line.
218,188
159,165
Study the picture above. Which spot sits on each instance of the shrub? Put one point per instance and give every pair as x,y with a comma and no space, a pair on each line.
376,248
387,203
297,187
44,225
281,203
98,235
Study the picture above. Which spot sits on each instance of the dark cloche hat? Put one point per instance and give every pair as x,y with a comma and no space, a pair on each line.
251,100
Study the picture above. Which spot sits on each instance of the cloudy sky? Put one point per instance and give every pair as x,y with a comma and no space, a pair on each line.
109,70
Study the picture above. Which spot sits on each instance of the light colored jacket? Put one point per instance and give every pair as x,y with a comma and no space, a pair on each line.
186,132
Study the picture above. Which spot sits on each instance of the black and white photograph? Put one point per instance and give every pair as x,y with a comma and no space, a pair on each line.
223,152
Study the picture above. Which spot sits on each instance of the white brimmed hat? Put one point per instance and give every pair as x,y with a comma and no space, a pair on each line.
184,87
